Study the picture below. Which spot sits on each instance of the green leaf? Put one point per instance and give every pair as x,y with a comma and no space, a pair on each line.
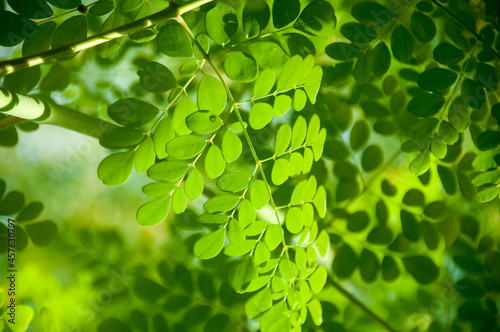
211,95
179,202
259,303
345,262
380,59
58,78
153,212
213,219
380,235
448,179
268,55
186,147
298,132
109,48
65,4
210,245
430,235
422,269
233,182
157,189
231,146
214,162
130,5
280,172
488,140
264,83
319,201
221,203
423,27
240,248
487,76
285,12
203,122
368,265
447,133
402,44
410,226
283,136
260,115
342,51
163,134
40,41
194,185
371,12
358,221
447,54
259,196
182,110
174,41
221,23
256,16
42,233
458,114
240,67
244,272
289,75
487,194
132,112
31,8
120,137
294,222
13,28
282,104
30,211
473,94
145,156
360,134
436,79
372,158
317,19
426,105
358,33
414,197
276,319
390,270
189,68
22,81
115,169
421,163
24,315
318,279
313,82
157,78
272,237
101,7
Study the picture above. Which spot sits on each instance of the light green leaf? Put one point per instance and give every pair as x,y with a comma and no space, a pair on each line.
153,212
296,164
235,233
259,303
210,245
276,319
213,219
211,95
24,315
145,155
157,189
487,194
316,311
264,83
299,100
246,213
319,201
240,248
189,68
294,221
174,41
319,144
299,132
233,182
221,203
186,147
163,134
179,202
182,110
421,163
282,104
214,162
260,115
318,279
289,75
221,23
240,67
169,170
243,273
115,169
323,243
120,137
283,136
272,237
313,129
194,185
231,146
280,172
203,122
268,55
259,194
300,258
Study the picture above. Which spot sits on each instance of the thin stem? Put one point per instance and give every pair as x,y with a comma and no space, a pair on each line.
459,21
172,12
360,304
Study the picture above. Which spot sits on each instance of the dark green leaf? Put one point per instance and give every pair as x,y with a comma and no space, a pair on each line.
342,51
11,203
423,27
372,158
402,44
31,8
317,19
390,270
426,105
40,40
120,137
174,41
72,30
436,79
447,54
345,262
380,59
368,265
157,78
371,12
132,112
256,16
422,269
42,233
410,226
448,179
360,134
14,28
285,12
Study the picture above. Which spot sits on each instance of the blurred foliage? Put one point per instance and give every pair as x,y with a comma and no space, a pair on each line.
310,165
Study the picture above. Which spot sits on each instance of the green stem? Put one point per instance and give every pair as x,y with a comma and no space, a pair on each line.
47,112
459,21
172,12
359,304
10,122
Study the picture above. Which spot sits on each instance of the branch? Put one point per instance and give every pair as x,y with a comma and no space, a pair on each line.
360,304
172,12
459,21
22,107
